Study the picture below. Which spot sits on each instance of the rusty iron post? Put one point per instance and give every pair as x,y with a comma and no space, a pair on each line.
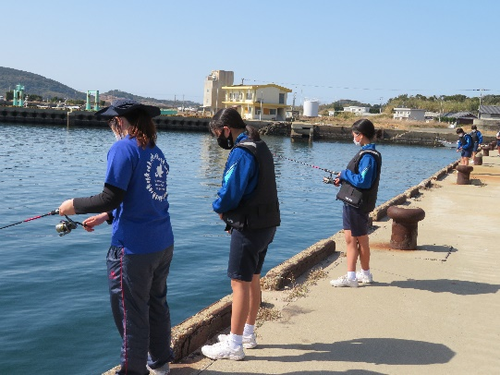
405,226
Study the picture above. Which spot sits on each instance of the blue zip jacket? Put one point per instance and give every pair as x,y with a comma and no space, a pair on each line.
239,180
479,137
465,142
367,171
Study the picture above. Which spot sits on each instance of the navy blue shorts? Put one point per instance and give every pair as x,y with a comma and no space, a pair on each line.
355,220
247,252
475,147
466,153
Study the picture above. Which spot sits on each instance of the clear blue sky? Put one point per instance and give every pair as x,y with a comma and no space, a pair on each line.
328,50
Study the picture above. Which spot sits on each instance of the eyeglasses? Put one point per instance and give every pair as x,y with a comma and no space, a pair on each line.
112,121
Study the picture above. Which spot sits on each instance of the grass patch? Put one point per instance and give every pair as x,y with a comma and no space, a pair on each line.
298,290
267,314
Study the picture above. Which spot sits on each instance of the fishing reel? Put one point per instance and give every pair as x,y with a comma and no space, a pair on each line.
329,179
66,226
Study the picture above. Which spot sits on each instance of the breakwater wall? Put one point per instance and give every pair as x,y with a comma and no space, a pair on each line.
19,115
88,119
194,332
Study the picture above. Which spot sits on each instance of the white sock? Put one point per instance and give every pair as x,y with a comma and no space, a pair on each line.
351,275
366,272
235,341
248,330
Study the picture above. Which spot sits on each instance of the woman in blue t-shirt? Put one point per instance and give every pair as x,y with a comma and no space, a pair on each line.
134,201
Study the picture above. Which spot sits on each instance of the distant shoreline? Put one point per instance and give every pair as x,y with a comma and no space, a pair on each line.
396,132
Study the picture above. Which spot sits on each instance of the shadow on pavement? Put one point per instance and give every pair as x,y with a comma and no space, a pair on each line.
437,248
388,351
458,287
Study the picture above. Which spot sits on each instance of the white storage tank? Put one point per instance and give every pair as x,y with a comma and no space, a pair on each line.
311,108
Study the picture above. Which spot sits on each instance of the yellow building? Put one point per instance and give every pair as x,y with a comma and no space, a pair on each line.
258,102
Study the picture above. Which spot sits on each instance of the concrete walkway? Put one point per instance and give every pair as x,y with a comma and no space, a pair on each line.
434,310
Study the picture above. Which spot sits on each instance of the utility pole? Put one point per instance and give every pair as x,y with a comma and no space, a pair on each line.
261,107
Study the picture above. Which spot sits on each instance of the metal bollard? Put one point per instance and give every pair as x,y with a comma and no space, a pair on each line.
478,159
405,226
463,175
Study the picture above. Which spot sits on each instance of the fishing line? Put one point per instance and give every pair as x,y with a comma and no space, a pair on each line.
306,164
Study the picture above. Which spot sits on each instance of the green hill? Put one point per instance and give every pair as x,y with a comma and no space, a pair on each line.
35,84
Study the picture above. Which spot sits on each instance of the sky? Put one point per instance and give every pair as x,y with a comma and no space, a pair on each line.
325,50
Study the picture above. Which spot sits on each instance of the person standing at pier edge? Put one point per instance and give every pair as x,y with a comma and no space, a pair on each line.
498,143
465,145
477,139
134,201
360,179
248,203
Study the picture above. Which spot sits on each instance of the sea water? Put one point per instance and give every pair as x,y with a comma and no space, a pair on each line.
54,309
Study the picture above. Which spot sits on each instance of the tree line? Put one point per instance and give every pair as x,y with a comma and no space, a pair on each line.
438,104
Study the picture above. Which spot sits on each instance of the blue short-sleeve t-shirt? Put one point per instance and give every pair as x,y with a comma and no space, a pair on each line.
142,221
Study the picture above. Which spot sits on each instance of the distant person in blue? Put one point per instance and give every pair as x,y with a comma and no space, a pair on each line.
134,200
359,180
498,143
248,204
465,145
477,139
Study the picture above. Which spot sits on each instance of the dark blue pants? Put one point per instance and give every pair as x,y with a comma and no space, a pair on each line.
138,293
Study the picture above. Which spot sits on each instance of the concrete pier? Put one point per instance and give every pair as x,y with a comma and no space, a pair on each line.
430,311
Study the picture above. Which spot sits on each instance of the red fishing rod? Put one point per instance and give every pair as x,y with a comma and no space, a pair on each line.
55,212
63,228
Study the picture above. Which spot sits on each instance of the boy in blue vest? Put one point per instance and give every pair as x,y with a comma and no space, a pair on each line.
464,145
477,139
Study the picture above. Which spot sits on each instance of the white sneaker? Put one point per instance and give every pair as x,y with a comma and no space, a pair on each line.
222,350
163,370
249,342
344,281
364,279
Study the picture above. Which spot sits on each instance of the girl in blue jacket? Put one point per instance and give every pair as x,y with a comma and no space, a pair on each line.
359,192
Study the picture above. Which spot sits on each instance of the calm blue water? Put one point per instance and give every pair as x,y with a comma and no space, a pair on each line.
54,310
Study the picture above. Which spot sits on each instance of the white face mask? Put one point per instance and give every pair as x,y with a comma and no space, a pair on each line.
357,143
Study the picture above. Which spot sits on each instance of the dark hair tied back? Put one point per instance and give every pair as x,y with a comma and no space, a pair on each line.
364,127
231,118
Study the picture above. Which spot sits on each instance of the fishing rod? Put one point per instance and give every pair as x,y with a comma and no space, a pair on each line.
54,212
64,227
306,164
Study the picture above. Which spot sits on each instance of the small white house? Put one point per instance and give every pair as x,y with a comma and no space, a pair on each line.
358,111
409,114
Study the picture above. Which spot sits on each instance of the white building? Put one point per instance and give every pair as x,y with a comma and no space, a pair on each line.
258,102
213,95
358,111
409,114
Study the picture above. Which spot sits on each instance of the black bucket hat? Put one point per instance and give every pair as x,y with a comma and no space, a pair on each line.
121,107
